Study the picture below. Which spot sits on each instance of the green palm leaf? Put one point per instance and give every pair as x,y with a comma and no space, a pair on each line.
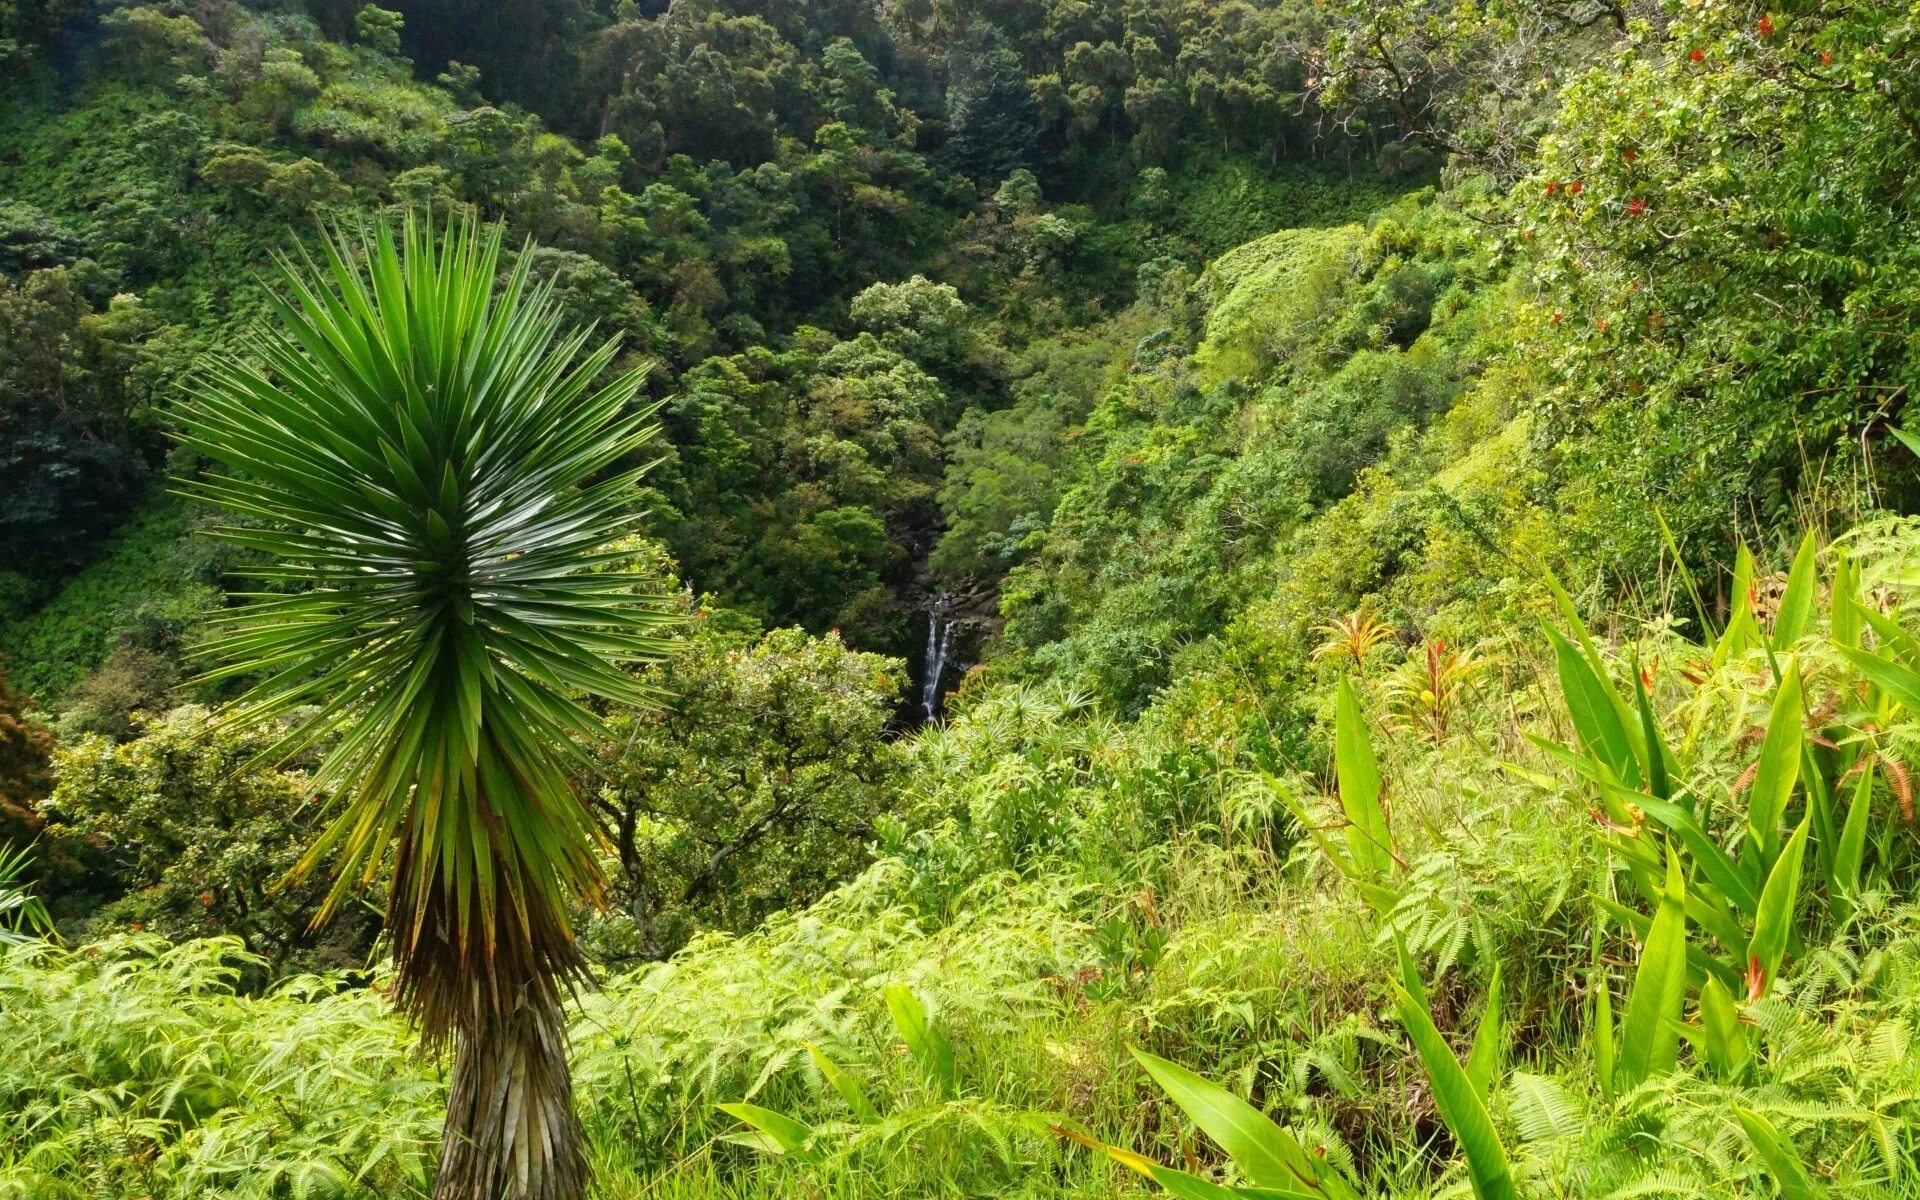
438,482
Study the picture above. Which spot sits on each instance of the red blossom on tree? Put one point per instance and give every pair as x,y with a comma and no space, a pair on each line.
1766,26
1697,55
1636,207
1574,188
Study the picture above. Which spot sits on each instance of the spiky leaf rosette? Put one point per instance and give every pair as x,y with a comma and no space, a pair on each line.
437,487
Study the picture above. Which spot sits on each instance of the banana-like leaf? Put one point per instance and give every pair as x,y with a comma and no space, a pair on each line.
1774,922
1900,683
1659,765
1596,713
1795,613
1848,856
1600,1035
1180,1183
925,1040
1459,1098
1267,1154
1649,1035
1846,618
845,1084
778,1133
1716,864
1778,771
1743,630
1489,1040
1369,841
1722,1035
1796,1183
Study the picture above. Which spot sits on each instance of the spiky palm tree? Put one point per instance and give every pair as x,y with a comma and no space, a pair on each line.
435,484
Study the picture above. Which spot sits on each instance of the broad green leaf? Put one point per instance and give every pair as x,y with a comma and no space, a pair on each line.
1483,1061
1779,766
1368,839
784,1134
1459,1099
1595,713
1649,1039
1847,619
1659,759
1265,1153
924,1039
1743,630
1851,852
1722,1035
1779,1157
1900,683
845,1084
1600,1034
1774,922
1795,613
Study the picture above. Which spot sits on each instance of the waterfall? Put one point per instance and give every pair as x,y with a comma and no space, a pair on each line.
939,644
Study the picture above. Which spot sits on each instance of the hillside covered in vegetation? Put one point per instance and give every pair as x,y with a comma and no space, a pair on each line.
1229,597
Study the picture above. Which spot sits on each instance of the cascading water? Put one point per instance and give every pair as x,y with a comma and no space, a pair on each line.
939,644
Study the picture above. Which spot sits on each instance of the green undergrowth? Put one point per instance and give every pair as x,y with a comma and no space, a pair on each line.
1069,889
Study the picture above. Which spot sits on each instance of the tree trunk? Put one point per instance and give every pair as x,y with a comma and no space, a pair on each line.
511,1132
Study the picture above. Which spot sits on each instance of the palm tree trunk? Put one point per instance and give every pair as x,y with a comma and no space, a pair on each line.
511,1132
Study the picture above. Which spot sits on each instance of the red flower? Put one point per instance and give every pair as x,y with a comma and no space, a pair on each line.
1766,26
1697,55
1826,60
1553,187
1629,154
1600,323
1573,189
1636,207
1556,318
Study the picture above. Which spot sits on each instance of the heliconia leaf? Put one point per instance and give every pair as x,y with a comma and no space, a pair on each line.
1778,1155
1852,850
1706,854
1267,1154
1743,629
1595,712
924,1039
1649,1038
1774,922
1846,617
1369,841
1795,613
1722,1035
1895,642
845,1084
1600,1034
1900,683
1483,1061
783,1134
1460,1100
1778,770
1180,1183
1659,761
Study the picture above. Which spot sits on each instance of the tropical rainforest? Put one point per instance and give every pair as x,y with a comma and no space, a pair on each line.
697,599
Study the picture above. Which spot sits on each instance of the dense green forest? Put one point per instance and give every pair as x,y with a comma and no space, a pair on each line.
1307,599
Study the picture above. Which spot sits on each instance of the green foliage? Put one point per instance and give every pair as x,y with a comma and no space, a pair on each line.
203,840
756,790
